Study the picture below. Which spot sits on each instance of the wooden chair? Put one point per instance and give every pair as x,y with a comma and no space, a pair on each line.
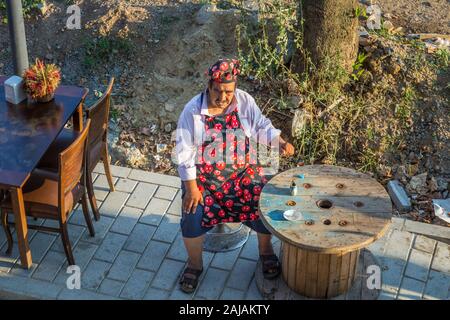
97,145
53,195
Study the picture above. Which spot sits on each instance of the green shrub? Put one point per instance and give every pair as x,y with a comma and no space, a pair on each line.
103,49
27,8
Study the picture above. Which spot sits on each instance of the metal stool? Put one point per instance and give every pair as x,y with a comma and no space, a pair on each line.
226,237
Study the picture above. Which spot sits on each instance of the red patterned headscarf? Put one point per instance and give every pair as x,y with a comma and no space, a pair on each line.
224,71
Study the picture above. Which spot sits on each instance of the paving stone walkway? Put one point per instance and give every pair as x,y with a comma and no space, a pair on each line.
138,253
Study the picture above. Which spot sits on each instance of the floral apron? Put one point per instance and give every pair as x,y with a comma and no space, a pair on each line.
230,189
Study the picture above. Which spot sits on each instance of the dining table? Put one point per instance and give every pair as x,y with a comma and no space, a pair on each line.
27,130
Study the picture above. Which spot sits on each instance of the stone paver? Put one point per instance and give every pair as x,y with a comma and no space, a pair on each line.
425,244
153,255
253,292
123,266
156,294
126,220
141,195
116,171
101,228
139,237
250,249
25,288
436,285
50,266
175,207
77,217
83,253
232,294
17,270
2,239
155,211
100,194
113,203
177,294
397,243
110,247
213,283
137,285
177,250
94,274
7,261
441,261
41,243
125,185
242,274
165,192
392,273
155,178
411,289
393,261
67,294
225,260
168,274
168,228
101,182
75,233
418,265
138,252
111,287
427,229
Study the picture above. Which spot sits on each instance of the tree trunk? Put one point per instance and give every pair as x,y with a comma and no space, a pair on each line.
330,29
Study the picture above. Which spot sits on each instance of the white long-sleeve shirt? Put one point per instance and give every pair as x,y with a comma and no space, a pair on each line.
190,133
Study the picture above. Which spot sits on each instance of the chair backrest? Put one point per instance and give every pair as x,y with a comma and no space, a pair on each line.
71,164
83,98
99,116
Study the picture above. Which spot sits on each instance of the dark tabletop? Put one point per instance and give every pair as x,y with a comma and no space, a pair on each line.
27,130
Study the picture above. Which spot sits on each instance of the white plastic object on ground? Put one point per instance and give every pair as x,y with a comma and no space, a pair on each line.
442,209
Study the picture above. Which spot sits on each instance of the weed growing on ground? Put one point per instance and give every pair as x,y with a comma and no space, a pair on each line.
103,49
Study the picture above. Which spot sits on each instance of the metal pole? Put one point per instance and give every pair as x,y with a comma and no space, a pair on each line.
17,36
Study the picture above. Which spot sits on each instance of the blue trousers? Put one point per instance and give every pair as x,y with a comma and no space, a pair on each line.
191,223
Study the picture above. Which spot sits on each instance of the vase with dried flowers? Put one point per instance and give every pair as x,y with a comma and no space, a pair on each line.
41,81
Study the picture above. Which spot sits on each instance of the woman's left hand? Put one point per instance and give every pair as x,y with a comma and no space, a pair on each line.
287,149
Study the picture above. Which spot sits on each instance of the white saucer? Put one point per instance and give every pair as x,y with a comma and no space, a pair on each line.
292,215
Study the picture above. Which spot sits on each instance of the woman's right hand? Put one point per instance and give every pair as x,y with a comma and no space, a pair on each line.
192,198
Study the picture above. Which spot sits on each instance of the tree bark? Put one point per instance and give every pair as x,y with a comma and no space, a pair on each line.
329,29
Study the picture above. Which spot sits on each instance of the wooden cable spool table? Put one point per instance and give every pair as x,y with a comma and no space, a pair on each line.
337,212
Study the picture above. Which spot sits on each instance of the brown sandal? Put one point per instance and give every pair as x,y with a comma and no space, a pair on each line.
189,279
271,266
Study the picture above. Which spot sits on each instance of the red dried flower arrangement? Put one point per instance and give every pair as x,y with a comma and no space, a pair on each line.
41,80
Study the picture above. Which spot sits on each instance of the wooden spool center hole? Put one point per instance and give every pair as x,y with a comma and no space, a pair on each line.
324,204
327,222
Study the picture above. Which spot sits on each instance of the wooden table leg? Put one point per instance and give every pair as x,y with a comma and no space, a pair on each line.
21,227
78,118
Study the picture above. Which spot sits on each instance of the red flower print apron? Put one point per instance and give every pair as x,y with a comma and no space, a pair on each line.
230,188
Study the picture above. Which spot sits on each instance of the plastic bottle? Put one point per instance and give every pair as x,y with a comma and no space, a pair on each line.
293,188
